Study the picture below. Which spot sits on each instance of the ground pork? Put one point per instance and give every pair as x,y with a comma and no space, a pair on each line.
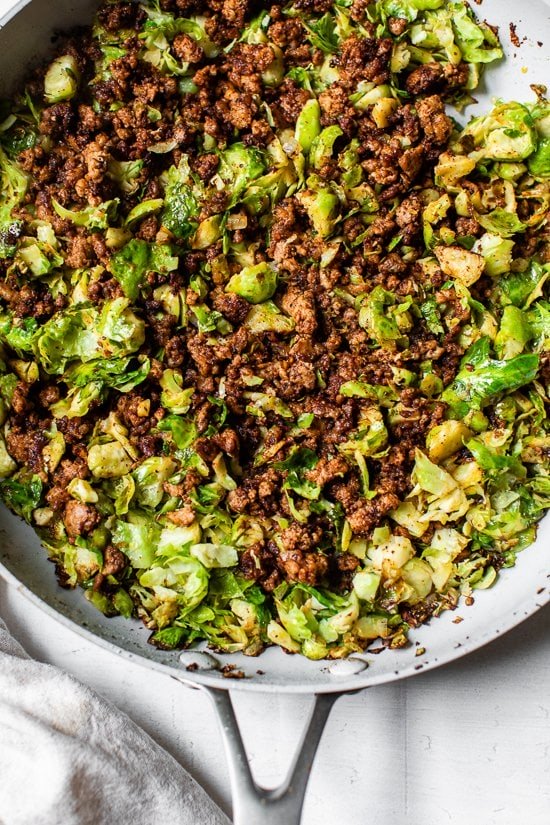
254,412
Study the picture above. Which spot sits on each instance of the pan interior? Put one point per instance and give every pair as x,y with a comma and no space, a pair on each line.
519,592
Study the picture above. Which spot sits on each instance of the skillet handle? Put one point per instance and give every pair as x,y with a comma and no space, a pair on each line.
253,805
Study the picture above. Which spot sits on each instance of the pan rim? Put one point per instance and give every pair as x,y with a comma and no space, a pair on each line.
528,606
532,605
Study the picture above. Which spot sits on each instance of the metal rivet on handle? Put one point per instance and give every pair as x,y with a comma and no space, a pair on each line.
197,660
347,667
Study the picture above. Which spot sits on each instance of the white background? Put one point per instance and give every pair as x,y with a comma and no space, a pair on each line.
468,744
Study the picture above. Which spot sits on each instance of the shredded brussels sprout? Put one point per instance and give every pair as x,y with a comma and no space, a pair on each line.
274,328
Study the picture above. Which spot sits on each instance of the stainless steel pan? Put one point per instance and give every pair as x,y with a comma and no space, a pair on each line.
25,36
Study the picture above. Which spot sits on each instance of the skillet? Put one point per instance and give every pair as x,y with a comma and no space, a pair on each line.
25,36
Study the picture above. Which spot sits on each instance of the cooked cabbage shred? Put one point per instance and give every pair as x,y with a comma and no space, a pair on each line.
274,329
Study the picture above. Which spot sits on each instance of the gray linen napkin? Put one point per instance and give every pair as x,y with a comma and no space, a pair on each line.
69,757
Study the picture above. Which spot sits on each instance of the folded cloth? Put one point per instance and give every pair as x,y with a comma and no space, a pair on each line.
69,757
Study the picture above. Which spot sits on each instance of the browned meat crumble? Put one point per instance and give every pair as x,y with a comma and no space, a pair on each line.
180,164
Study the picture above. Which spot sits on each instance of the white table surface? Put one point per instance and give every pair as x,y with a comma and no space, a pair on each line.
468,744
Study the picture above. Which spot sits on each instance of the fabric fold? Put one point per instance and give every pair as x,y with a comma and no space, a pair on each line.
70,757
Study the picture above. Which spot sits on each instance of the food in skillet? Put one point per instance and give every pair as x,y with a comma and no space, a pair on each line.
274,330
